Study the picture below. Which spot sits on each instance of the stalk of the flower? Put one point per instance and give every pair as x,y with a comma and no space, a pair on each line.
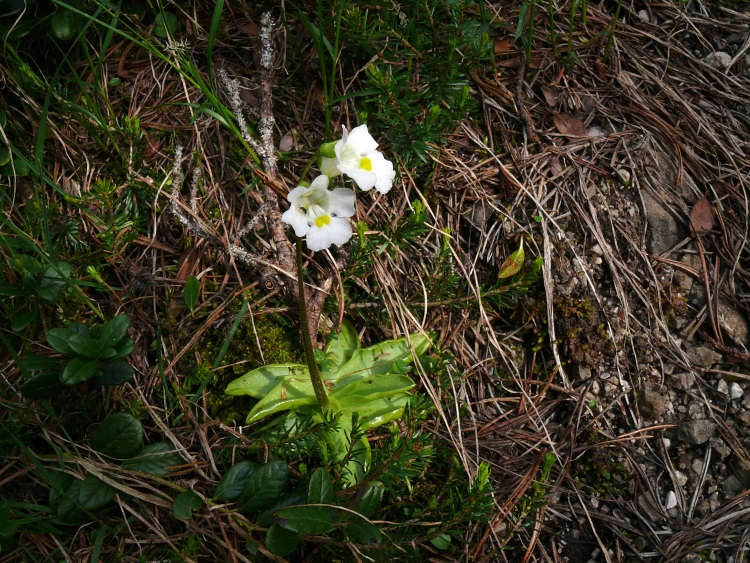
317,380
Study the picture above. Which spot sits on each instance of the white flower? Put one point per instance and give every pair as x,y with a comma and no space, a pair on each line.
357,158
319,213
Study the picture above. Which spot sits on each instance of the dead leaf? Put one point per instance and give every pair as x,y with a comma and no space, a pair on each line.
550,96
503,47
512,264
570,125
702,216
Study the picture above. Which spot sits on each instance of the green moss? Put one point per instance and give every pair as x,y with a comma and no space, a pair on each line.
266,334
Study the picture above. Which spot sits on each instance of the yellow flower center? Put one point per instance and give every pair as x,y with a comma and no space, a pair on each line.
366,164
322,221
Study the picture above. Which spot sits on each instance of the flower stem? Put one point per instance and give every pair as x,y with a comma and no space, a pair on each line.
317,380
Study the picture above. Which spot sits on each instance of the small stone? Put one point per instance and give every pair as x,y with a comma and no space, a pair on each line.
643,16
691,558
624,177
697,466
286,143
702,356
697,432
735,391
584,373
652,404
671,501
665,232
647,506
718,60
682,381
722,387
681,478
596,249
695,410
732,322
733,486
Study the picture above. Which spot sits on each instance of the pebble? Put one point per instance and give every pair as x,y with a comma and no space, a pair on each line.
698,432
652,404
702,356
682,381
671,501
733,323
735,391
733,486
719,60
697,466
722,387
681,478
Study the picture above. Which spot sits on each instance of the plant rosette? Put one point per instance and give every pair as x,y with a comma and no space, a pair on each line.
367,387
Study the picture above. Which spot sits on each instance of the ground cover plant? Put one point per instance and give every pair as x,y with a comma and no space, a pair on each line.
445,280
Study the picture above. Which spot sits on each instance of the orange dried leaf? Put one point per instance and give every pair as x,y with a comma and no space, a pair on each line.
702,216
570,125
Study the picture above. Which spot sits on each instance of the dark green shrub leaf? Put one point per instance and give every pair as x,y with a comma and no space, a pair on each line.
34,362
84,345
119,436
26,264
114,373
363,532
55,277
58,339
94,493
8,527
231,484
43,386
166,24
79,370
308,519
185,503
22,319
63,24
264,487
443,541
154,459
281,541
320,490
369,497
58,484
192,292
4,156
124,348
267,517
113,331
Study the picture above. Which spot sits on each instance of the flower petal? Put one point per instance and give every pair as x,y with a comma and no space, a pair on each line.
361,138
297,219
384,171
341,202
328,166
338,231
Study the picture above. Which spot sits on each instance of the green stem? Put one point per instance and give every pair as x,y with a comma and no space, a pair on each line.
317,380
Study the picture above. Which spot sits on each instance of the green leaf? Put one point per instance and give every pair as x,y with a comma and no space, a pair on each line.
79,370
260,382
55,277
191,293
339,349
368,498
185,503
363,532
320,489
264,487
379,411
292,392
43,386
63,24
308,519
267,517
124,348
443,541
84,345
166,24
114,373
22,319
19,167
512,264
35,362
26,264
380,358
119,436
154,459
8,527
94,494
280,541
231,484
58,339
371,388
4,156
113,331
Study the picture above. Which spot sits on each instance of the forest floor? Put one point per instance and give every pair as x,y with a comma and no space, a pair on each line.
605,385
